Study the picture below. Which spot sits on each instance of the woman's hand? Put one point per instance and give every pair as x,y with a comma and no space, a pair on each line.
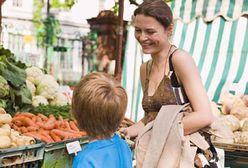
132,131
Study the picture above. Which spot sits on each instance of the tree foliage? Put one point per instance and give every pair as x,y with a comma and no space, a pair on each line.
47,27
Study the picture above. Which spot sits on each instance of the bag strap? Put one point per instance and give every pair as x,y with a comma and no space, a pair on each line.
173,76
197,139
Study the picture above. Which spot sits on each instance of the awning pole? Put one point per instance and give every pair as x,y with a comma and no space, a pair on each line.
118,64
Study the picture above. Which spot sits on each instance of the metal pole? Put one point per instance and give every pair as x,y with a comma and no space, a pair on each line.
118,63
47,38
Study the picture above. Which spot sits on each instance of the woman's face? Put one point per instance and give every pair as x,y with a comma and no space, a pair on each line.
151,35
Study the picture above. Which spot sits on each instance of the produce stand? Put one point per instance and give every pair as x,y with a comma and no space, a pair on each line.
56,155
236,155
27,156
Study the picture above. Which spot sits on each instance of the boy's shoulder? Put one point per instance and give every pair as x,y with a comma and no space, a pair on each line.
106,152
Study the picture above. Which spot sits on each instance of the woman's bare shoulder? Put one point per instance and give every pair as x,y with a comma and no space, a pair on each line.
182,60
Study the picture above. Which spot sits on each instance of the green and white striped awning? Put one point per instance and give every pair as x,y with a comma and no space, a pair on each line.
218,46
188,10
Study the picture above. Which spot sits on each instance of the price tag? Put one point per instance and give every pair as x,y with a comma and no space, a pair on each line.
73,147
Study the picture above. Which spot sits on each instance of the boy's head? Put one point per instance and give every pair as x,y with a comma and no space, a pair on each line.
99,103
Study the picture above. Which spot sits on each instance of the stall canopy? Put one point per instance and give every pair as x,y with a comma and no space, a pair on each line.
215,33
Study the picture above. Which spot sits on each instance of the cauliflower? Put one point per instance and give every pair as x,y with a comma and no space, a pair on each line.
34,75
47,87
31,87
59,100
38,100
4,87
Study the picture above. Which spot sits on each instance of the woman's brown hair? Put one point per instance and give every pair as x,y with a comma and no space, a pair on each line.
99,103
157,9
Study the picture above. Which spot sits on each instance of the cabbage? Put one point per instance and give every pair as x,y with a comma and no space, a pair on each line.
4,87
3,103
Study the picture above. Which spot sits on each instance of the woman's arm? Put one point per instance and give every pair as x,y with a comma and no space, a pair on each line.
189,77
133,130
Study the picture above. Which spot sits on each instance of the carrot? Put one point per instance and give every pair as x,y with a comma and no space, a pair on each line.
46,134
32,128
23,130
61,120
56,124
55,137
15,127
27,114
75,121
17,122
82,133
34,119
24,120
51,117
48,126
75,134
38,119
43,117
63,134
38,136
73,126
40,124
67,125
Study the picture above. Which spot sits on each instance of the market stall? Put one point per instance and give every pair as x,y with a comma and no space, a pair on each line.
215,33
35,119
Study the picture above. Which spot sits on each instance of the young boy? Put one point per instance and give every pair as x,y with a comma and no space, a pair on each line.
99,104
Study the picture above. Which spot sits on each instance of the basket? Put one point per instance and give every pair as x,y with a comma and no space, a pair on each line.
22,157
231,147
56,155
236,155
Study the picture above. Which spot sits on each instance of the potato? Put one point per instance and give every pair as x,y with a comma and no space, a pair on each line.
240,112
5,130
6,126
20,141
14,135
2,111
5,119
245,125
231,121
5,142
27,140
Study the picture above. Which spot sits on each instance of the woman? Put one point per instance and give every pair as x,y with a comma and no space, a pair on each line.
169,67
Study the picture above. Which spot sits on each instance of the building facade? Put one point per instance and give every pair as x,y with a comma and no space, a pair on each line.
19,35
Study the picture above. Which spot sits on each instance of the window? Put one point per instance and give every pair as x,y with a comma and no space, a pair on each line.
17,3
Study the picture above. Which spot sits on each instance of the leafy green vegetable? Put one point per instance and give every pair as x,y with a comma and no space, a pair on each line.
15,75
63,111
13,72
4,87
3,103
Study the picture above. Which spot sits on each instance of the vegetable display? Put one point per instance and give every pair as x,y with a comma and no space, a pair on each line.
57,111
22,88
10,138
47,129
14,94
234,117
44,88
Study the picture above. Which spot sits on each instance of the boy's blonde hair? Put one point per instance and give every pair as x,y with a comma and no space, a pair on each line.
99,103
